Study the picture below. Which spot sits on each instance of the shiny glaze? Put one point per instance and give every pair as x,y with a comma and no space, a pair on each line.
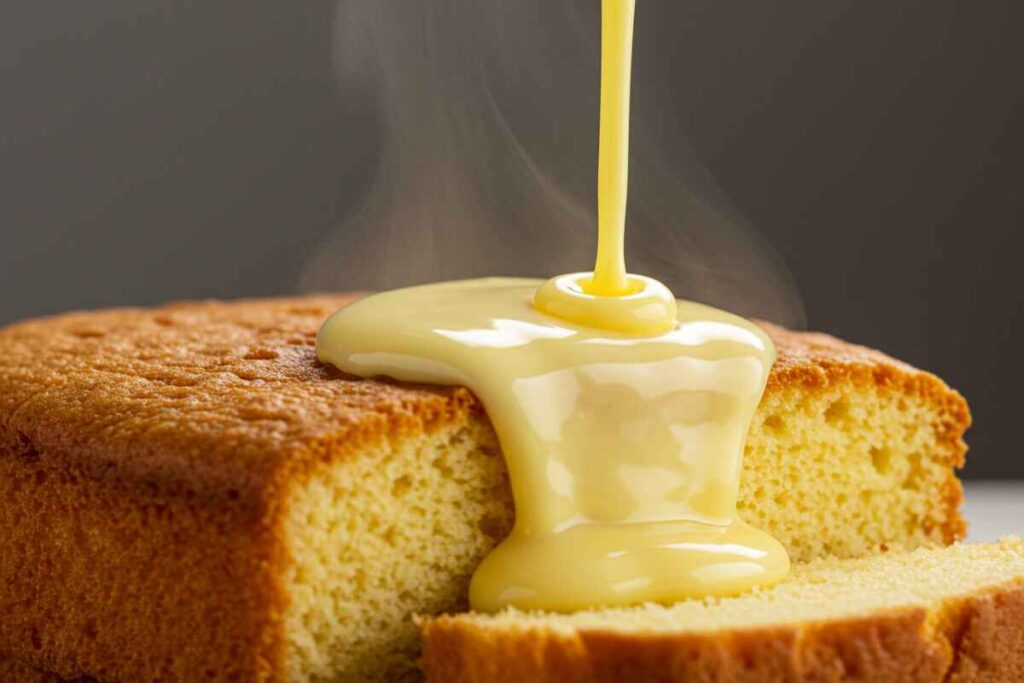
624,451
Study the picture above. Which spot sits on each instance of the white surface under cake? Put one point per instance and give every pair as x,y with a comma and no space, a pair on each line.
994,508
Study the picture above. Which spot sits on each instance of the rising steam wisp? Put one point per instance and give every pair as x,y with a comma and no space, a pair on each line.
486,121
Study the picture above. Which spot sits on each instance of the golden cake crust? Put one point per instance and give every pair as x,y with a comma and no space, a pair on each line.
187,424
13,671
223,394
977,639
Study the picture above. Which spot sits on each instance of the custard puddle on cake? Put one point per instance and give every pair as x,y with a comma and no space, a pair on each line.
624,452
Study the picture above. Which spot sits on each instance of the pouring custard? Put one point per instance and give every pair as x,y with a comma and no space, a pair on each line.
621,412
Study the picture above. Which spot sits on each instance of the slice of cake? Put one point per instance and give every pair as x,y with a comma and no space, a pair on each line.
949,614
187,495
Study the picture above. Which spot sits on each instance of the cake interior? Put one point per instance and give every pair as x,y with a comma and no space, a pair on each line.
843,471
391,533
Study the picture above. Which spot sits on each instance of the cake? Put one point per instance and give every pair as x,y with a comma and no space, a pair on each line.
948,614
187,494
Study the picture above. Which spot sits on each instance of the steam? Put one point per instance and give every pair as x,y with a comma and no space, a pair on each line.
484,125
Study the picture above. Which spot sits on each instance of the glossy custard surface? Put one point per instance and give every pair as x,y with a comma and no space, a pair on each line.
624,451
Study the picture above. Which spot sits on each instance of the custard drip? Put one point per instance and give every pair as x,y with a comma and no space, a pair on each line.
624,451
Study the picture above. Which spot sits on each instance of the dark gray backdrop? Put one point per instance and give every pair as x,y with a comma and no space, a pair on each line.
154,150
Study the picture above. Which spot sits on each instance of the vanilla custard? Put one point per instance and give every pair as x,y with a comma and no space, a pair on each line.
622,413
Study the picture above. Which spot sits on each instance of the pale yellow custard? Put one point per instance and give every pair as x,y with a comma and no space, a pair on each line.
613,151
624,451
621,412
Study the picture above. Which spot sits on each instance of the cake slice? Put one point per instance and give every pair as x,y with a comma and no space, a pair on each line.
950,614
187,495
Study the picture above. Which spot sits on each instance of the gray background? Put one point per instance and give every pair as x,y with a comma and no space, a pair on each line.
155,150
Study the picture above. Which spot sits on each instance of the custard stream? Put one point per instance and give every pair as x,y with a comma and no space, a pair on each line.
622,413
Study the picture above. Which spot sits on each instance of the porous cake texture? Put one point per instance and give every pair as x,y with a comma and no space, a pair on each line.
186,494
946,614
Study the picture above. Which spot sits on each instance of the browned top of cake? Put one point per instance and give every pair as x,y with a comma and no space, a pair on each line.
220,398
